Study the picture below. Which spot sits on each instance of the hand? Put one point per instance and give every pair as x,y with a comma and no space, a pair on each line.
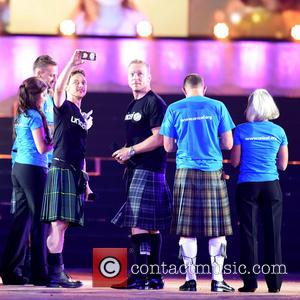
121,155
87,192
76,58
224,176
88,119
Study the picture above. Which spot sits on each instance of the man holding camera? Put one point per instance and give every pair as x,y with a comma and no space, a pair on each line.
63,198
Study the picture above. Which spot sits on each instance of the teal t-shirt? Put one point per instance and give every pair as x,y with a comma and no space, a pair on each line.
49,114
27,152
196,123
260,143
48,109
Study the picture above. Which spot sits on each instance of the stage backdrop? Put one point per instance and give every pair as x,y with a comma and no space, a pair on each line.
229,68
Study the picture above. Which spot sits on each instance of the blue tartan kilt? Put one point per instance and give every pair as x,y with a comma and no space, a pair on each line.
61,201
201,204
149,202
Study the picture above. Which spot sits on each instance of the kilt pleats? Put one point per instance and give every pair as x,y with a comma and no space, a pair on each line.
60,199
200,204
148,204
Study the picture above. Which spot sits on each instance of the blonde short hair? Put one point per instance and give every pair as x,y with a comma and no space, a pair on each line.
139,62
261,106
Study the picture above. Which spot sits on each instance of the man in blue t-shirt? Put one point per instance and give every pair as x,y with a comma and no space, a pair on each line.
45,68
197,128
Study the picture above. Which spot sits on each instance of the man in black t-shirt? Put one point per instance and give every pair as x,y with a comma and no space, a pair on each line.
147,209
64,195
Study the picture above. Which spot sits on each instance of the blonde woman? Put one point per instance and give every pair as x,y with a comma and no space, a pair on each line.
260,149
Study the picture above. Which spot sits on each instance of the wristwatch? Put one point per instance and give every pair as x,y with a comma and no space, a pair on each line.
131,151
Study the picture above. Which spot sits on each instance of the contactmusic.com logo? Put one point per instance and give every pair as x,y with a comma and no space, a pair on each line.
109,266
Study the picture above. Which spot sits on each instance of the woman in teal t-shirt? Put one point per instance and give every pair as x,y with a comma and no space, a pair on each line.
260,148
28,177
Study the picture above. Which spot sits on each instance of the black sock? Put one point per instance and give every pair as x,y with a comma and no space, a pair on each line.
55,259
141,250
155,256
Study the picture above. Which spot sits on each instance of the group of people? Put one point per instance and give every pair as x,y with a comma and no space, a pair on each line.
43,196
197,128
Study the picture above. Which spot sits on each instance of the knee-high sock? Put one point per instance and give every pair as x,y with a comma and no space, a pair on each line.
154,258
217,252
189,254
55,264
141,247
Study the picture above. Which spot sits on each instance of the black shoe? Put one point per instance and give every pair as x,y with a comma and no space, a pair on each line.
156,283
273,290
40,282
220,286
190,286
246,289
14,279
62,280
132,282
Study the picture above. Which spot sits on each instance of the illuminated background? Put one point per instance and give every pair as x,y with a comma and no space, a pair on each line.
258,52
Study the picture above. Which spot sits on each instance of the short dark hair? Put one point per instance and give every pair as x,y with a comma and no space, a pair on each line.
43,61
74,72
193,80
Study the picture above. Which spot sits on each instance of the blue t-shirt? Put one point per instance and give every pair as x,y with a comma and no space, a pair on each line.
49,114
48,109
260,143
196,123
27,152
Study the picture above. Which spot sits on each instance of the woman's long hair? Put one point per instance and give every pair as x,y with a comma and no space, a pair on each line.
28,98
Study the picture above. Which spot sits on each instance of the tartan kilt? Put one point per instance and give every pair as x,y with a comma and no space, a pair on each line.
149,202
201,204
60,199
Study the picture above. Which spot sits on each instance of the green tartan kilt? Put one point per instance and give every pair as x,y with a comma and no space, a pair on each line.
201,204
60,199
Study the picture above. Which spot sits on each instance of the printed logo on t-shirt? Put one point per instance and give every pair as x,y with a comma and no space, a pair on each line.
21,125
261,138
196,118
77,121
136,116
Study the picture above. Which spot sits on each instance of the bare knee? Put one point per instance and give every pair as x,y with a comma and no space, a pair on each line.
55,241
59,226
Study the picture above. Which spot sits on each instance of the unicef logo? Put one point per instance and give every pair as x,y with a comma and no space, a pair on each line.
109,267
137,117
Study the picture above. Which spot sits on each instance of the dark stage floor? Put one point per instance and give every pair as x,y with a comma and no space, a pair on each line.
290,290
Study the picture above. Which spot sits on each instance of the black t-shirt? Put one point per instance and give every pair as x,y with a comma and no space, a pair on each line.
143,115
70,134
